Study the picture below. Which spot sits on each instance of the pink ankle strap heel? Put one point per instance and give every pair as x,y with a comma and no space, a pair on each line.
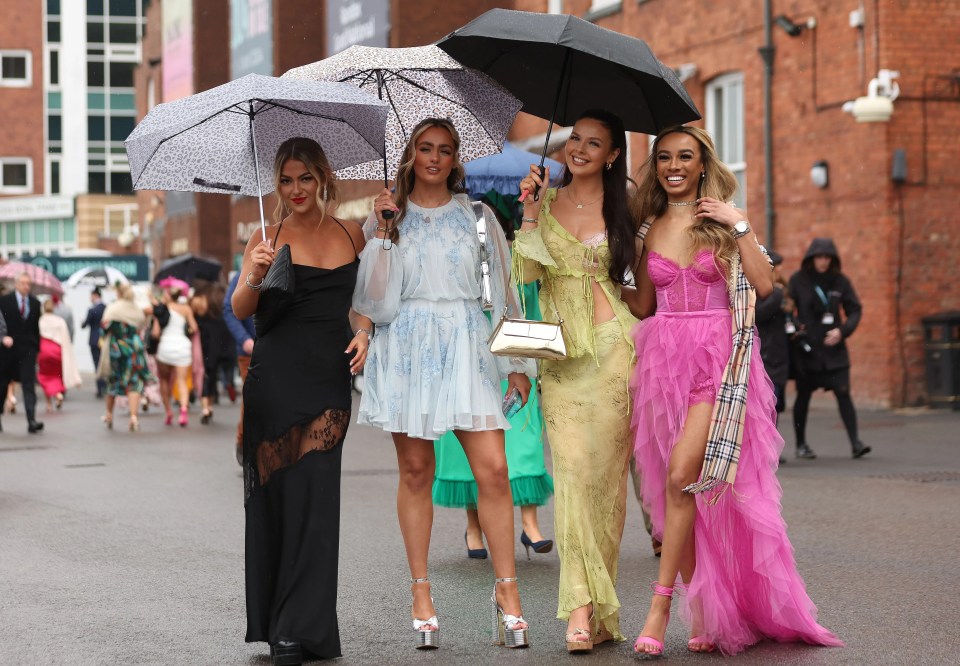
657,651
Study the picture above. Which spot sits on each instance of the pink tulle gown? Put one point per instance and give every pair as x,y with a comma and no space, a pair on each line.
746,586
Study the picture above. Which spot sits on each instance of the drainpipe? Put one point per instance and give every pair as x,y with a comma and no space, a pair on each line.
767,52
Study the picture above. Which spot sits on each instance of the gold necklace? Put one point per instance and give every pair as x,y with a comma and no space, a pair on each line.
580,204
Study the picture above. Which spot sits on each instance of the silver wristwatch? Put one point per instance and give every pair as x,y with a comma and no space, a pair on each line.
740,229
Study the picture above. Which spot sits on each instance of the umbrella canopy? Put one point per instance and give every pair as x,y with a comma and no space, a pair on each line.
188,268
44,282
225,139
560,66
97,276
419,82
502,172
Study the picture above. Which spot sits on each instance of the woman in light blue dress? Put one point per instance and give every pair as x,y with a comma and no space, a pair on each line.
429,368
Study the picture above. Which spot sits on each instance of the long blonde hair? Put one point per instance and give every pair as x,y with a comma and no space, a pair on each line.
311,154
716,181
406,177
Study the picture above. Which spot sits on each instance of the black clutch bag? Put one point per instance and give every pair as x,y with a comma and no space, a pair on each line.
276,292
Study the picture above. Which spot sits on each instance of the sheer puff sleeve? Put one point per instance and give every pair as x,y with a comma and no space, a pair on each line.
504,290
380,278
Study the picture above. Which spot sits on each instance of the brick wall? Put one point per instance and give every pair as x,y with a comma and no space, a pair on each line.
861,208
22,129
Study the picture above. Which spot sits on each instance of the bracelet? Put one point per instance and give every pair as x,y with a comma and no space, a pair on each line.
255,287
530,219
363,330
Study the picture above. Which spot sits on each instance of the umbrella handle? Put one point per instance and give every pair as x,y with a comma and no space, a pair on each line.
536,191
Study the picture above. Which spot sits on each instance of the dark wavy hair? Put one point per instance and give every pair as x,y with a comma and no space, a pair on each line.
616,210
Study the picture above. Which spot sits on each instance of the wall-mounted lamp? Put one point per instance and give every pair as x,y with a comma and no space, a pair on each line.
820,174
794,29
685,71
877,105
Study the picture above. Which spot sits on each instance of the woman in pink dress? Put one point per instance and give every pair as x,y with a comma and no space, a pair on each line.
728,544
56,368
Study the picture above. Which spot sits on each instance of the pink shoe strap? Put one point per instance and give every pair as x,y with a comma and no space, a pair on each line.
661,590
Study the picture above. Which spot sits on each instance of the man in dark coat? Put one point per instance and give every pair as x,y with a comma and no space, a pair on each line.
94,317
772,315
18,360
828,312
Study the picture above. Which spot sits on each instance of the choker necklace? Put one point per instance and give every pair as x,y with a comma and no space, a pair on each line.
581,204
682,203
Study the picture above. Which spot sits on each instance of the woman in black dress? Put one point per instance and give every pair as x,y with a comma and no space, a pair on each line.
296,410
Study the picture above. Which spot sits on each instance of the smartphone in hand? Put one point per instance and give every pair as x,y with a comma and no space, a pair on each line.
512,402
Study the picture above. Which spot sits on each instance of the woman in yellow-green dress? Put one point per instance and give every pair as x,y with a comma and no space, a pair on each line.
578,240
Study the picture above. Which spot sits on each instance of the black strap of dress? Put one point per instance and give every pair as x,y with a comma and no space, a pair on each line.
349,237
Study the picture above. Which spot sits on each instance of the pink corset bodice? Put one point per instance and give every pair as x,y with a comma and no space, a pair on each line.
699,286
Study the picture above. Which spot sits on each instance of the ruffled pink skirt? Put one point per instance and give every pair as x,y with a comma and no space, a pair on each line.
746,586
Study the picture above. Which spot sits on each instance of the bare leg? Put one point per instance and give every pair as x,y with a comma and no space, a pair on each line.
182,391
164,373
134,399
488,461
474,532
109,402
528,517
415,512
681,511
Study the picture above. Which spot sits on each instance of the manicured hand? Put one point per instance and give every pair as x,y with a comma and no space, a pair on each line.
359,345
521,382
262,257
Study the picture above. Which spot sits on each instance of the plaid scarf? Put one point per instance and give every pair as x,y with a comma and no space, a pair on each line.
726,425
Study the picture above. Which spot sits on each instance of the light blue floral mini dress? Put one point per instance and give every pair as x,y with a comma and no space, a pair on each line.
429,369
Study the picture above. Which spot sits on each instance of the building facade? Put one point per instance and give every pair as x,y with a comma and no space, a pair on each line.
67,99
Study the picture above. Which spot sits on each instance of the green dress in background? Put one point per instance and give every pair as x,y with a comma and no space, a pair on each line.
454,485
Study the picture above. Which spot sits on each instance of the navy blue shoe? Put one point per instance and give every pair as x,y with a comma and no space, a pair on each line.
474,553
542,546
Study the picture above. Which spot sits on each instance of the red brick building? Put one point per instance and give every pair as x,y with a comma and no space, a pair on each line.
21,98
898,239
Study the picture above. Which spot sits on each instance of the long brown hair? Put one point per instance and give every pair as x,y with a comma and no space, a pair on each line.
311,154
717,181
406,177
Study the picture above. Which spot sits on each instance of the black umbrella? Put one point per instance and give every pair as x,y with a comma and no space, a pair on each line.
560,66
188,268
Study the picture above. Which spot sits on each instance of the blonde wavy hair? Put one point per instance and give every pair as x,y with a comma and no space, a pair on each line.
406,177
716,181
311,154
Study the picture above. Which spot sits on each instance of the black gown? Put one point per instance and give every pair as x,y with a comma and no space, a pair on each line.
296,412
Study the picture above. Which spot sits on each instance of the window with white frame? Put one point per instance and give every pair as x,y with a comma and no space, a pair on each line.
16,69
16,175
600,5
725,122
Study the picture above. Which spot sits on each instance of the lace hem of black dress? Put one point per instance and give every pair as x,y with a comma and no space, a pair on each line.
322,433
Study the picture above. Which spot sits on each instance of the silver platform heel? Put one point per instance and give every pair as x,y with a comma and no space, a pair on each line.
505,632
427,639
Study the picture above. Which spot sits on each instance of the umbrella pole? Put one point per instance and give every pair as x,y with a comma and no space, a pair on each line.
256,166
387,214
553,116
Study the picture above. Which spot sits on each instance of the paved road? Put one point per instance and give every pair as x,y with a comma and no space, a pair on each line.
119,548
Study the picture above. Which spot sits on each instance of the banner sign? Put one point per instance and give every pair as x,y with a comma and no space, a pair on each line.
352,22
135,267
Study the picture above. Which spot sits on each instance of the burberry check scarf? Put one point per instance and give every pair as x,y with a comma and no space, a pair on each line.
726,425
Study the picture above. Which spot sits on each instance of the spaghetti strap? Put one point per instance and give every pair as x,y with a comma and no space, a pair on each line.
277,235
348,235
